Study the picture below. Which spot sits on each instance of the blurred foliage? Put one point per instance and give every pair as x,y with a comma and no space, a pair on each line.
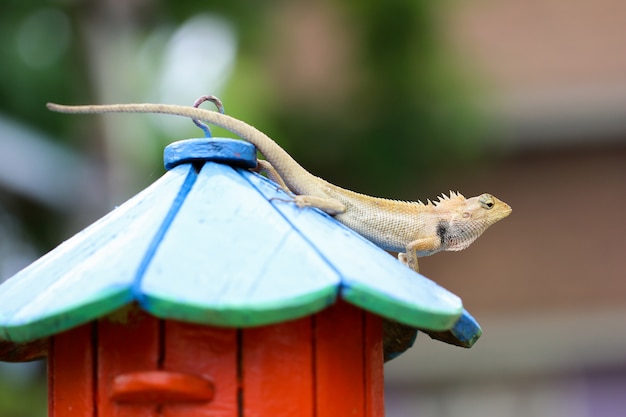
24,87
410,117
23,397
387,118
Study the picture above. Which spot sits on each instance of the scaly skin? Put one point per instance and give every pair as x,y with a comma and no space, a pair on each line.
414,229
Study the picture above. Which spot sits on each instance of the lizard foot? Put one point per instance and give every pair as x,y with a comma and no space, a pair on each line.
327,205
410,261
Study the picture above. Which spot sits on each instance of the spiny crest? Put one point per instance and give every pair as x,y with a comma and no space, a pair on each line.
444,199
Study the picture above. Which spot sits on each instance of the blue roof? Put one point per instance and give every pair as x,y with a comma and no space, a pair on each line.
212,242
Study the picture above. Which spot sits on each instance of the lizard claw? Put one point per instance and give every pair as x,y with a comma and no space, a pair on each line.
411,263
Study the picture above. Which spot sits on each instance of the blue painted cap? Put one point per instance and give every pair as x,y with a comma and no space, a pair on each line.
233,152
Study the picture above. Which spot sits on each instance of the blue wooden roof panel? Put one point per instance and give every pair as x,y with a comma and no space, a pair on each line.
246,265
374,280
90,274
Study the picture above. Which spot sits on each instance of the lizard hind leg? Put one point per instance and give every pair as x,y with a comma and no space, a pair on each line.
328,205
268,169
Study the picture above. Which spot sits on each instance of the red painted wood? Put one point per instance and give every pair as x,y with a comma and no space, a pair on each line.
210,352
373,364
277,370
339,359
325,365
70,373
161,387
128,341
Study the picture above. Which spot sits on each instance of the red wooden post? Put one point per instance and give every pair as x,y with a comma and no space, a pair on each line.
277,369
374,373
210,352
71,380
340,362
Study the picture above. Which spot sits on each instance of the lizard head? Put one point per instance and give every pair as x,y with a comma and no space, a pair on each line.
468,219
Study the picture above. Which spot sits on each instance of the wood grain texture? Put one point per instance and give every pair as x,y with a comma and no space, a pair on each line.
339,361
373,367
370,277
77,281
70,373
210,352
230,259
277,362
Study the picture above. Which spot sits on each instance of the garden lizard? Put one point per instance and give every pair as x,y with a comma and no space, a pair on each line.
413,229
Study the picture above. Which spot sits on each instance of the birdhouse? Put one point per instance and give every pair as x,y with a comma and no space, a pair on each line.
211,294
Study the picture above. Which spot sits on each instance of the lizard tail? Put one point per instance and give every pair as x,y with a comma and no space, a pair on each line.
287,167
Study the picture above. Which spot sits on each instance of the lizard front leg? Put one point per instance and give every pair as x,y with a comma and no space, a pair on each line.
423,247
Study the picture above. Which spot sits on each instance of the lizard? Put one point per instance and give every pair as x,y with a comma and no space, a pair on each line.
411,228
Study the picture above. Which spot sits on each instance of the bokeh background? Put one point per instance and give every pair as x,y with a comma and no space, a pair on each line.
401,99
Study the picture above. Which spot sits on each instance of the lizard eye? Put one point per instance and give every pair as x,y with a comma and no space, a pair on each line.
486,201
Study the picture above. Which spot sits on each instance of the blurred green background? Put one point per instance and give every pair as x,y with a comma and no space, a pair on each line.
400,99
363,93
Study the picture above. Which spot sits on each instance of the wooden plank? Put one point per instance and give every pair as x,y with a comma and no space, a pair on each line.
339,361
373,366
245,266
210,352
23,352
77,282
70,373
128,341
371,278
277,364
